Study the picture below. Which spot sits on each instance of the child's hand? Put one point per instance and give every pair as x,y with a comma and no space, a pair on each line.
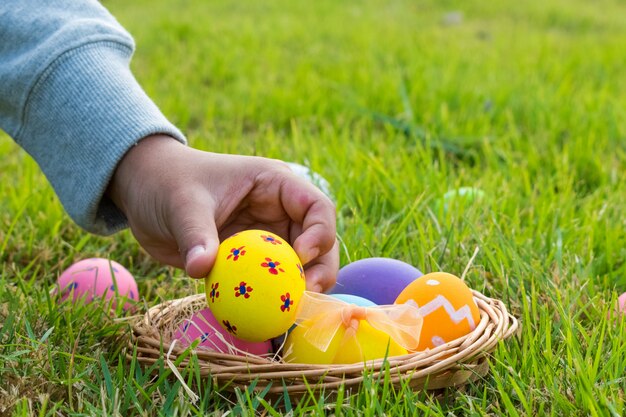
180,202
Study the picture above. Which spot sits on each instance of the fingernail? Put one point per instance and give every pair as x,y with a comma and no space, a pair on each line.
310,255
316,288
194,253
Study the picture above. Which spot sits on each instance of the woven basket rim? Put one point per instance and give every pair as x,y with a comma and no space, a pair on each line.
451,364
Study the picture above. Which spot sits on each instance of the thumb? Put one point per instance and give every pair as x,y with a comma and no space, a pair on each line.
196,235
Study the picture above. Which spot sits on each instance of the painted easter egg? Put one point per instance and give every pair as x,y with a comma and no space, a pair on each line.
353,299
447,306
96,278
204,326
255,285
463,197
379,280
368,344
346,298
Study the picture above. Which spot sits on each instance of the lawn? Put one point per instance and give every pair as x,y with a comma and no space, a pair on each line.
394,103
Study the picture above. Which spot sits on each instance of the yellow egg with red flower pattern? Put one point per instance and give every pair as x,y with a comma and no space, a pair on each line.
254,288
447,305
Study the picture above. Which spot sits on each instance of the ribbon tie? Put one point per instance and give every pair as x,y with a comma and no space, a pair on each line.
323,315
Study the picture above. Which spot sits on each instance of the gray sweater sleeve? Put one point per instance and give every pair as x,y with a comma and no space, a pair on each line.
67,96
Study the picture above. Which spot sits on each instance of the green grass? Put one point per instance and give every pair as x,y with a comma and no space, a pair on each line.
394,107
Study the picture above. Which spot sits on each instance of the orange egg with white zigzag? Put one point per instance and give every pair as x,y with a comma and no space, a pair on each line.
447,305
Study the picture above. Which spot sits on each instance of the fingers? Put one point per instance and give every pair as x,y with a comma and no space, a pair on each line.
193,227
307,205
321,274
199,260
313,226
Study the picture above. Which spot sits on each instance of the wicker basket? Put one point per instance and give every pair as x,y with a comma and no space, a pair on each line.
450,365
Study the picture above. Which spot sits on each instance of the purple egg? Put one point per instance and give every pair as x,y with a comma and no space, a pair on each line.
379,280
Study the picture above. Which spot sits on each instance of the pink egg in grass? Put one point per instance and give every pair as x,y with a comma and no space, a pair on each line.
96,278
204,326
